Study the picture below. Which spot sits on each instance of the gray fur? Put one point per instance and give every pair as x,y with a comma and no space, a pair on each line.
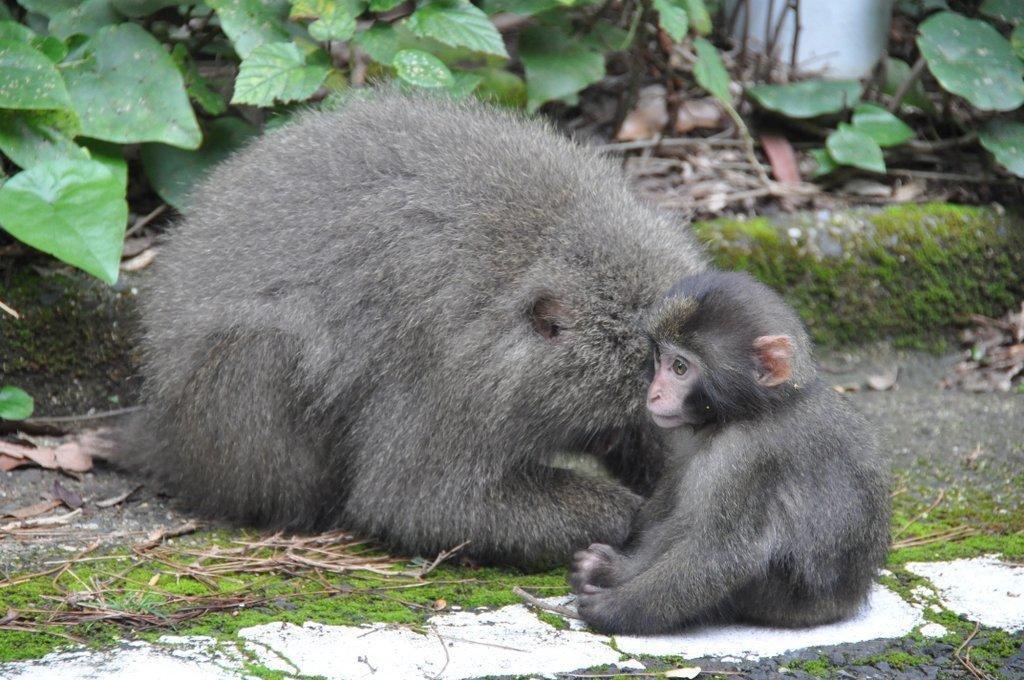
778,517
339,333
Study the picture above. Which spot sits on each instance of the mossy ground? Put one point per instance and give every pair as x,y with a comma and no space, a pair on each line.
146,585
909,273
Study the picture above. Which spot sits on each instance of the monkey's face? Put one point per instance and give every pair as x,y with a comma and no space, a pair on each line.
676,396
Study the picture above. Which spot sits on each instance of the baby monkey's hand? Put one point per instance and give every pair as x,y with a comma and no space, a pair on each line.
597,567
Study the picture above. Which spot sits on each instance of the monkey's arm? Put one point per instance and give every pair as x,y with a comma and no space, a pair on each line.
689,581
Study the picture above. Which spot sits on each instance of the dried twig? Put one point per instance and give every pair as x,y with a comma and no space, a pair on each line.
10,310
537,603
50,420
935,504
965,660
146,219
908,82
441,557
158,536
118,499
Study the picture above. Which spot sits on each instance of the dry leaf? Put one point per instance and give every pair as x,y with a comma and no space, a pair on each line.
910,191
882,383
691,672
154,579
782,158
65,495
135,245
69,456
439,604
849,387
867,187
699,113
648,118
32,510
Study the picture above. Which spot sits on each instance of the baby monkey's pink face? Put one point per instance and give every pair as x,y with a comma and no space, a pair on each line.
676,374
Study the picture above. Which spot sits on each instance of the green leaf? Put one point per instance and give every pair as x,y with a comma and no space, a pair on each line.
15,403
142,8
174,172
848,146
970,58
84,19
880,125
384,5
710,71
276,72
896,73
464,83
12,30
422,69
198,89
824,161
334,24
32,137
556,65
28,79
1010,11
522,7
459,24
502,88
112,156
53,48
808,99
126,88
699,16
48,7
1017,40
251,23
381,42
1004,139
72,209
672,19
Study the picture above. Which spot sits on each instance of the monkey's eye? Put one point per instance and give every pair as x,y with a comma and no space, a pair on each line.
679,366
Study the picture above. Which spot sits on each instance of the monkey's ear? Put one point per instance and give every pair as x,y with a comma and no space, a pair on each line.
550,317
774,355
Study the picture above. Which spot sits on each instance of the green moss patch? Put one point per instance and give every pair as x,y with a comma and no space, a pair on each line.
905,272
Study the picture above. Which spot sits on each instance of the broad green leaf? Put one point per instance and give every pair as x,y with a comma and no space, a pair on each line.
5,12
384,5
970,58
84,19
556,65
699,16
1004,139
1010,11
112,156
251,23
808,99
15,403
422,69
672,18
896,73
28,79
824,161
143,8
1017,40
72,209
459,24
710,71
381,41
32,137
464,83
521,7
12,30
276,72
502,88
126,88
198,89
334,24
54,49
880,125
48,7
174,172
848,146
606,37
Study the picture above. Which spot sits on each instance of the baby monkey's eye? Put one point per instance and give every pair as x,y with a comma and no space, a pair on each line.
679,366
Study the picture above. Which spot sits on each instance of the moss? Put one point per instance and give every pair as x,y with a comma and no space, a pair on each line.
898,659
905,272
819,668
553,620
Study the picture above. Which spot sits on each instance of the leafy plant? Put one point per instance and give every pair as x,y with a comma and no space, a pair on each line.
971,58
15,403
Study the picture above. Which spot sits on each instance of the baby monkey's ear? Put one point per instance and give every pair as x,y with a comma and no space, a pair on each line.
774,355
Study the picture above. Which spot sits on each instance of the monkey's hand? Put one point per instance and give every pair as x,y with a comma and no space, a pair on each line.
599,565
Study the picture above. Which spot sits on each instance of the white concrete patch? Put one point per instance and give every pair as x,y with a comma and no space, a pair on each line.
195,658
933,630
509,641
884,615
984,589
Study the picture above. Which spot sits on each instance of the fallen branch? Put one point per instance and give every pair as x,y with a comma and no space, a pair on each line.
441,557
158,536
537,603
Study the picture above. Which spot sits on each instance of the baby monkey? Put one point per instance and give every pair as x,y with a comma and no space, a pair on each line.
775,505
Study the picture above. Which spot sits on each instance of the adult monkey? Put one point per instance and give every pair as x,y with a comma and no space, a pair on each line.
390,317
